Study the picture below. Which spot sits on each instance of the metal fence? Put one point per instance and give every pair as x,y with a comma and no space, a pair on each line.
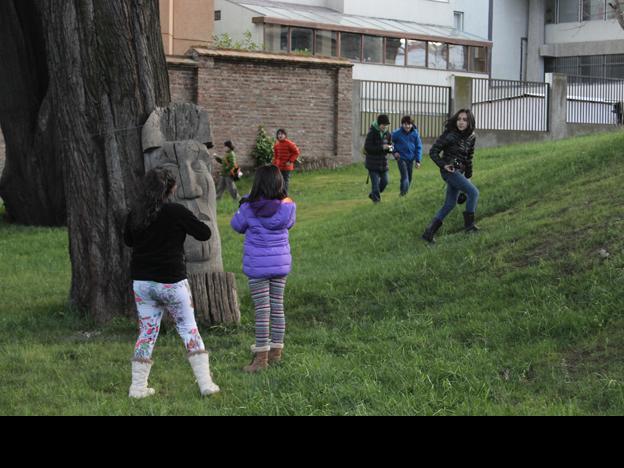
595,101
510,105
429,106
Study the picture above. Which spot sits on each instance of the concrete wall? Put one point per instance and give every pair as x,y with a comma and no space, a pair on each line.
367,72
236,21
310,97
510,26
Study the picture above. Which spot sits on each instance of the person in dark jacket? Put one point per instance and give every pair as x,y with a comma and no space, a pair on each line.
453,153
377,147
408,152
265,218
156,230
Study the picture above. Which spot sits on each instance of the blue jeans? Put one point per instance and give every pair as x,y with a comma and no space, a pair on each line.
380,182
406,168
457,183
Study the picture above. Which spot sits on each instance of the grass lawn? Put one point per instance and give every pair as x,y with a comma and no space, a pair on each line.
526,318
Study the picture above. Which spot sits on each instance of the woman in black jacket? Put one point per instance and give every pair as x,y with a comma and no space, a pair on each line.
457,145
156,230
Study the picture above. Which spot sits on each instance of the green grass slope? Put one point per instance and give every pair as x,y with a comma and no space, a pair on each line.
524,318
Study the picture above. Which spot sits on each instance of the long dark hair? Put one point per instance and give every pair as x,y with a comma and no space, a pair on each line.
451,124
158,186
268,185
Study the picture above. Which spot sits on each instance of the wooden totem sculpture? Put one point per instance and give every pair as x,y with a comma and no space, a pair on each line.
178,137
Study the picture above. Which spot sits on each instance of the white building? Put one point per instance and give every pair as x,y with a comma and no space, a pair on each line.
574,37
413,41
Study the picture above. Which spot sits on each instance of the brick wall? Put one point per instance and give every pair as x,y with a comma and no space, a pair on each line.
308,96
182,79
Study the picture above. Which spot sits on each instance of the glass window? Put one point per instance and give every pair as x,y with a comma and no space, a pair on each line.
395,51
478,59
611,12
373,49
459,20
275,38
438,55
416,54
458,57
351,46
592,66
615,66
569,11
594,10
302,40
551,11
326,43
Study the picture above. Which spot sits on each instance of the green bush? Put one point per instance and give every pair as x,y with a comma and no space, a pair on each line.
263,152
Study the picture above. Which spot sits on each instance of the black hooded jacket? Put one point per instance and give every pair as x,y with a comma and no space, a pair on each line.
458,150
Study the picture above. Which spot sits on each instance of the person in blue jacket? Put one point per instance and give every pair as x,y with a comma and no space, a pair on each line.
408,152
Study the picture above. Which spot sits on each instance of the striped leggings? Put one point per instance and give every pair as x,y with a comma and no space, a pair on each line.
268,298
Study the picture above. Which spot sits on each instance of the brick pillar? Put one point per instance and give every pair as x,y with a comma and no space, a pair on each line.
344,115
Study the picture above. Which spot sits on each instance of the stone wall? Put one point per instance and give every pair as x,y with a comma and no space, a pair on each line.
308,96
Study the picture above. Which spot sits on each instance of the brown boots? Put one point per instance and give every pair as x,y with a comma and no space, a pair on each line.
260,360
263,357
275,355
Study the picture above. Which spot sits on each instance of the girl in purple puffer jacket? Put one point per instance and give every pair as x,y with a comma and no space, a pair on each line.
265,217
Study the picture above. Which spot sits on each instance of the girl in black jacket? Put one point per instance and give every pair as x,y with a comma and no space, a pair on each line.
156,230
457,145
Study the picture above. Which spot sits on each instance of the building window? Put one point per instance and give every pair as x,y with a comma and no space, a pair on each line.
302,41
438,55
458,57
276,38
351,46
395,51
217,15
597,66
373,49
551,11
594,10
569,11
416,54
614,66
478,60
459,20
326,43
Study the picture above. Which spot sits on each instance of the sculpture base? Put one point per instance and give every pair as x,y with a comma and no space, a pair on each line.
215,298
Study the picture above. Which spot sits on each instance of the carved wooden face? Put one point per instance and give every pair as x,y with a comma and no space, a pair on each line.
190,161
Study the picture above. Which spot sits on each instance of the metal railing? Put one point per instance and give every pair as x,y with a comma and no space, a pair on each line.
429,106
510,105
598,101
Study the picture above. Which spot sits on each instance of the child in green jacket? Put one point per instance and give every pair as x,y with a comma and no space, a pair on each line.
229,172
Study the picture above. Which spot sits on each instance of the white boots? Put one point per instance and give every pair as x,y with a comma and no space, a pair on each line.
201,368
140,376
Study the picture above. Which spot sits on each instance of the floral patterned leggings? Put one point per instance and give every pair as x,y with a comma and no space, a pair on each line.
153,300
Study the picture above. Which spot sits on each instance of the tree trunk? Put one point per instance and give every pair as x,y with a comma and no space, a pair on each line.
618,6
32,181
107,73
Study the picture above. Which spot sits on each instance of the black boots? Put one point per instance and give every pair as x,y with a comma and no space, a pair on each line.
469,223
429,234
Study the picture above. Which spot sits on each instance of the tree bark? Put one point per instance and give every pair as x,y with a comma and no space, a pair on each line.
32,181
618,6
107,73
